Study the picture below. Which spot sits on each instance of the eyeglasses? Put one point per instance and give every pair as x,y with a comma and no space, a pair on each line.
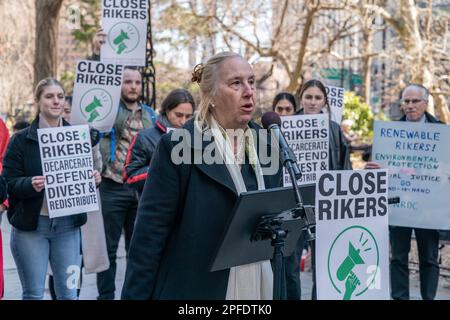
413,101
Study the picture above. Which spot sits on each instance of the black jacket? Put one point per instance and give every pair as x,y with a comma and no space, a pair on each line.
141,151
21,162
339,151
3,189
181,217
428,116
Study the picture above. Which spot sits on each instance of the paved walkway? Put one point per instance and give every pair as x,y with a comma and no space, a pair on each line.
13,288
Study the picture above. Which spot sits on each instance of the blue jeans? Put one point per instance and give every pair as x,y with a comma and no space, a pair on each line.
55,240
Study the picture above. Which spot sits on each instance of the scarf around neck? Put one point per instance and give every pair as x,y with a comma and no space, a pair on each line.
253,281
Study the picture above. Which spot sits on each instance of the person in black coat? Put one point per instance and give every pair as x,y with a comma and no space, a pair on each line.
414,103
314,100
177,108
3,189
185,204
35,238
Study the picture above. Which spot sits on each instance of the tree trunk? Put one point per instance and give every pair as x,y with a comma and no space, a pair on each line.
47,19
367,64
406,24
295,76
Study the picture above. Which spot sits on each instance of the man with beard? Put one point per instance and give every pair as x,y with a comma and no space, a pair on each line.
119,201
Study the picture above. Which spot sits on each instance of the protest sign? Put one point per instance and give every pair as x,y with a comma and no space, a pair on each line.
96,94
67,164
307,136
418,160
125,24
335,97
352,235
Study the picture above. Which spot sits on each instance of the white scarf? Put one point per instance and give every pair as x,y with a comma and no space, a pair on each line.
252,281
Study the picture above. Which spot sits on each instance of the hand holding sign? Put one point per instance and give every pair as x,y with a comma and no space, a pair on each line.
67,165
97,177
38,183
99,40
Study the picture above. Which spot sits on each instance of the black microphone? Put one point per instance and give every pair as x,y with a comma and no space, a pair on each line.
272,121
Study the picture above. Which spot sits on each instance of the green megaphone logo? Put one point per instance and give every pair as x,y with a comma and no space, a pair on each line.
119,41
90,108
345,272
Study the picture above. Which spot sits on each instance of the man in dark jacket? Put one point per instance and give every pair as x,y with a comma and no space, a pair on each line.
119,201
414,103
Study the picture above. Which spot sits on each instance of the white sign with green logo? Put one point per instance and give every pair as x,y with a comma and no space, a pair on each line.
307,135
352,237
96,94
335,97
125,23
66,157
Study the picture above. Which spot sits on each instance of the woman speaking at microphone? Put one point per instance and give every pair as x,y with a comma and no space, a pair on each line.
313,100
184,207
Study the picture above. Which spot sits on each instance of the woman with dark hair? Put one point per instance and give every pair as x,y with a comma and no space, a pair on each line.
313,100
177,108
36,238
284,104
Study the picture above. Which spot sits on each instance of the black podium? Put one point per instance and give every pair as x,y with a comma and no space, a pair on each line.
237,246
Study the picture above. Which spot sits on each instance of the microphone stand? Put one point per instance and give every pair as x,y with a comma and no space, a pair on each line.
271,226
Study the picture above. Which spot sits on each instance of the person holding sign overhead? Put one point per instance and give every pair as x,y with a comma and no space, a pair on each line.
98,41
414,103
313,100
37,239
119,200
